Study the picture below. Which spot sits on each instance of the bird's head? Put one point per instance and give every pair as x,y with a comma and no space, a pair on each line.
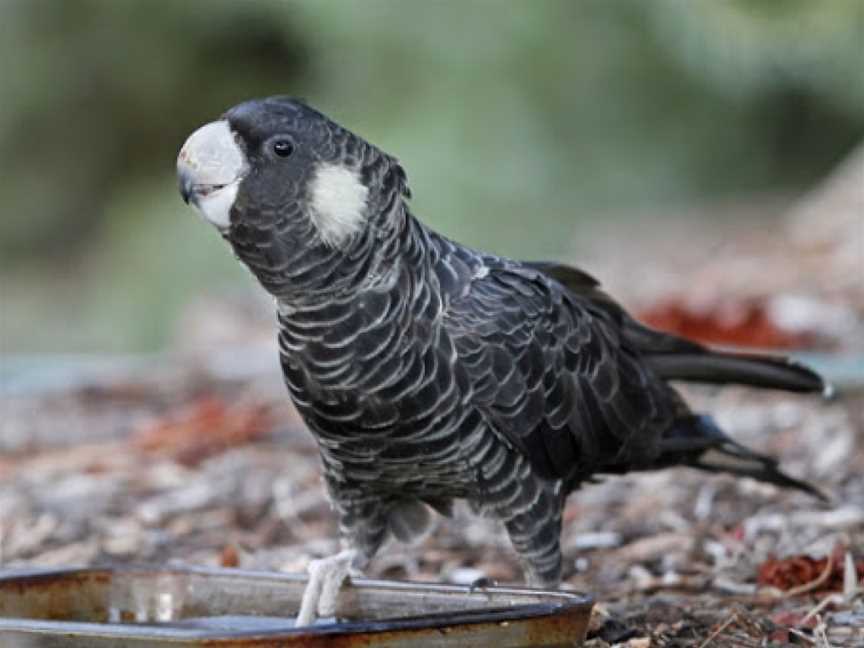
286,185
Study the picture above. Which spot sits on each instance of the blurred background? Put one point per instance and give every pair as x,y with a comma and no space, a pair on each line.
521,124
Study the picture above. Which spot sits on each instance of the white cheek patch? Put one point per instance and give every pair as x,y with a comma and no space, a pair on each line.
215,207
338,202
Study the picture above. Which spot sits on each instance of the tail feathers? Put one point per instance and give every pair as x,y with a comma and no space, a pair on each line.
697,442
746,369
675,358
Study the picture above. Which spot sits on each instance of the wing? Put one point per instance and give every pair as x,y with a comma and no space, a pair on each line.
550,371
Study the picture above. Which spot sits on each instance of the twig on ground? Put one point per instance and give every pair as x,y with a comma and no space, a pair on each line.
850,577
820,633
817,609
720,629
814,584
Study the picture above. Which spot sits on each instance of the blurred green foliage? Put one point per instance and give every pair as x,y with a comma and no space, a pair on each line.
516,121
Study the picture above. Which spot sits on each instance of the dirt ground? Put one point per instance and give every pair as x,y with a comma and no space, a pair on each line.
224,475
197,457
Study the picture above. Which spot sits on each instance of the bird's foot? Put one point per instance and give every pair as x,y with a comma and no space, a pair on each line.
325,580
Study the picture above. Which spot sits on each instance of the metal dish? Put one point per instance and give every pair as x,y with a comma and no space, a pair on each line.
184,607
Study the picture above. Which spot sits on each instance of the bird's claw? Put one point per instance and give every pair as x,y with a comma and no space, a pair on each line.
326,577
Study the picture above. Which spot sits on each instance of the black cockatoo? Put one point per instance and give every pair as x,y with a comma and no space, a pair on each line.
429,371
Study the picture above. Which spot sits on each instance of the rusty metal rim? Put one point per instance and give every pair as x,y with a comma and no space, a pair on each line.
566,602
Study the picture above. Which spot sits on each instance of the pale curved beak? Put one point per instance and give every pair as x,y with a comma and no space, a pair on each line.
210,167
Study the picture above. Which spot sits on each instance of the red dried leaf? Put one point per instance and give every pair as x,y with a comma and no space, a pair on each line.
204,428
229,557
745,323
797,571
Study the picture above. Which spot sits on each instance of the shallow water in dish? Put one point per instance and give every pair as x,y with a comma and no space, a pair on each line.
165,601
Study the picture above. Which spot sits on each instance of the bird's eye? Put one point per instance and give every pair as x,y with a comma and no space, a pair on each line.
283,148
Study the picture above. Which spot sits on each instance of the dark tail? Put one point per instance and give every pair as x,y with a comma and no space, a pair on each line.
693,440
696,441
674,358
706,365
